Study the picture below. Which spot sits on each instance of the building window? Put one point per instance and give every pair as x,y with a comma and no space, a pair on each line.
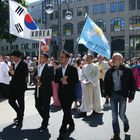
102,24
80,27
113,7
135,42
138,4
64,11
52,16
134,23
16,47
103,8
132,4
68,29
121,6
54,30
56,14
85,10
70,1
96,9
117,24
79,11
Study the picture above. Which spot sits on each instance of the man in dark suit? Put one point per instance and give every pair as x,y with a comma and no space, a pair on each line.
67,77
44,78
18,86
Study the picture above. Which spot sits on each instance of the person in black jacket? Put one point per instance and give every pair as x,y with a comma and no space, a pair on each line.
43,93
67,77
119,84
18,85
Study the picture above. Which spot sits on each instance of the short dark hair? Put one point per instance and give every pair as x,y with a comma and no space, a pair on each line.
78,61
66,53
45,55
16,53
56,62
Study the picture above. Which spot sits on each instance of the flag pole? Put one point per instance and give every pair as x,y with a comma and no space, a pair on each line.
39,50
86,15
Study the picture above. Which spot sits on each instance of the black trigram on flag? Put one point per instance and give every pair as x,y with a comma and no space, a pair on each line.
19,27
19,10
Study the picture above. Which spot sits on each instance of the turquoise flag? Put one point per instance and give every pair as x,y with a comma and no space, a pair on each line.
94,39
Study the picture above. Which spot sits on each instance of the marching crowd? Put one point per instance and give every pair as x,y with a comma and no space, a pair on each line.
82,81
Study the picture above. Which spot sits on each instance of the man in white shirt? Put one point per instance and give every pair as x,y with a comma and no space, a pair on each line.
4,78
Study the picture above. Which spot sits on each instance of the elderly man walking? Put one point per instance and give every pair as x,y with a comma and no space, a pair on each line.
119,85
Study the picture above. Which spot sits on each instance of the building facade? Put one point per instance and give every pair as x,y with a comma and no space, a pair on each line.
119,20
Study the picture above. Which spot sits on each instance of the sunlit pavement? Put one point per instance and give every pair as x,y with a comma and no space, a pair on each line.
92,127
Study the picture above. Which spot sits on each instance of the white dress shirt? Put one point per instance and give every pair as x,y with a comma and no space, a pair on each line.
41,67
16,64
64,69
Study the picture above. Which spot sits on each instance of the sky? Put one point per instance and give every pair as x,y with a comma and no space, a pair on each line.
30,1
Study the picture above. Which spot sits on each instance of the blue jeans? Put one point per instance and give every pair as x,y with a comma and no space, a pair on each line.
118,105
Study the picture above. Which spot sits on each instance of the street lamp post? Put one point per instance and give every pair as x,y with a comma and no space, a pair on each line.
68,16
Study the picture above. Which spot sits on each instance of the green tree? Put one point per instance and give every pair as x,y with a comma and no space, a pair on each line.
4,20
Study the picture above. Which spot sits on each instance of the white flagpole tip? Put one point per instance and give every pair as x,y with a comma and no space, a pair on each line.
86,15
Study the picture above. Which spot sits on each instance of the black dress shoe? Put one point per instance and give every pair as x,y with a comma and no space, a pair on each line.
42,128
116,137
82,114
62,135
70,129
94,112
15,119
126,128
19,123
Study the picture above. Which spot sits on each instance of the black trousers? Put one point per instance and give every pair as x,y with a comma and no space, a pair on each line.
42,104
4,90
67,117
102,88
16,100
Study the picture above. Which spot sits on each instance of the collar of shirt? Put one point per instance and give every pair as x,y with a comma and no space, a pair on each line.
16,64
64,69
41,67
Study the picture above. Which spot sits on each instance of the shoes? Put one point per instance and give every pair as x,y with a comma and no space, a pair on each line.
81,115
75,108
42,128
126,128
94,112
19,123
70,129
116,137
62,135
15,119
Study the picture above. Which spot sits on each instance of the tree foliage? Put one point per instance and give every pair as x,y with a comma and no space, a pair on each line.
4,20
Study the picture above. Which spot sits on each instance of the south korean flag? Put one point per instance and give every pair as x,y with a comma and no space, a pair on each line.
21,22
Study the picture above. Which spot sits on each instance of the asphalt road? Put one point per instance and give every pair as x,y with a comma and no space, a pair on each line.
92,127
